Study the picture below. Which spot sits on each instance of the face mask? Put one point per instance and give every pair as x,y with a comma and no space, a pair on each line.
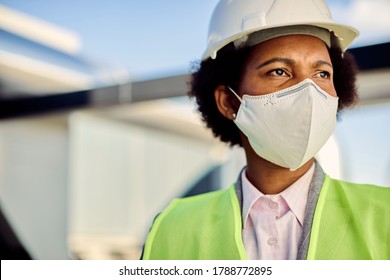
290,126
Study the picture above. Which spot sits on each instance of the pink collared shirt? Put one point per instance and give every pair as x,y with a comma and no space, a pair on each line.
272,224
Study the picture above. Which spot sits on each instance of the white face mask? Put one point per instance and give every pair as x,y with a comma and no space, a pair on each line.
290,126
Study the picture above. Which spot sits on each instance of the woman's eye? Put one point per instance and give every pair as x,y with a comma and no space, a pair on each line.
324,74
278,72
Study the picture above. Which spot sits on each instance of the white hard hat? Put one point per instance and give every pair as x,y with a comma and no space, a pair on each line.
234,20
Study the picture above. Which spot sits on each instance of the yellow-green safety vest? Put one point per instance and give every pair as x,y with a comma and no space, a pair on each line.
351,221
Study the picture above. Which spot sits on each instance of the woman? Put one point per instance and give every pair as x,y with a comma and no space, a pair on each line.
272,80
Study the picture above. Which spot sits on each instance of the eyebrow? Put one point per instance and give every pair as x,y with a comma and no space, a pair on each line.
291,62
276,59
322,62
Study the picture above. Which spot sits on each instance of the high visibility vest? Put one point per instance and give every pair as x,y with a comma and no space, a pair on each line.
351,221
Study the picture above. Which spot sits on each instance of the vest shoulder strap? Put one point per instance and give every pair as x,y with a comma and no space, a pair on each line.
351,221
198,227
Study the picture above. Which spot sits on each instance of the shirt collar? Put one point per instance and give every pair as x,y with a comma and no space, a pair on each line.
295,195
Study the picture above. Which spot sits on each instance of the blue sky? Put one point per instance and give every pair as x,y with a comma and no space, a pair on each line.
153,38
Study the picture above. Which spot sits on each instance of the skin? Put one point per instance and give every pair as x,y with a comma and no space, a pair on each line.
271,66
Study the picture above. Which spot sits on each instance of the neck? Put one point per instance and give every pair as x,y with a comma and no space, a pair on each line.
270,178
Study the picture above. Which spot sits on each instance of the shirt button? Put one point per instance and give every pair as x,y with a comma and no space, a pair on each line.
273,204
272,241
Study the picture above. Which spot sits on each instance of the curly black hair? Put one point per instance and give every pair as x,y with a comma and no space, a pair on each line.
227,68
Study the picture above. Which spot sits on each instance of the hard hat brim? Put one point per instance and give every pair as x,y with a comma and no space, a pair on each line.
344,33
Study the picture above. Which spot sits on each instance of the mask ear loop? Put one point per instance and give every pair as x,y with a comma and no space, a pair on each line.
239,98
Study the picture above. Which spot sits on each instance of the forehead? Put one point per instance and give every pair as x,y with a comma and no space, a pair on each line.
299,46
